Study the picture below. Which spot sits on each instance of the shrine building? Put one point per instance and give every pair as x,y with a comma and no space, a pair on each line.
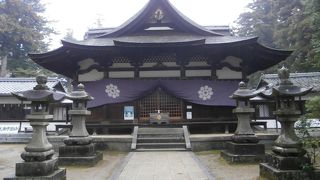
160,61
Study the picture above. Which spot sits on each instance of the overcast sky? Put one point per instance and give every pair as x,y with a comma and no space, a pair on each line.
79,15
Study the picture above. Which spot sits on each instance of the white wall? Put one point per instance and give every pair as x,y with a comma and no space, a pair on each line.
93,75
121,74
168,73
226,73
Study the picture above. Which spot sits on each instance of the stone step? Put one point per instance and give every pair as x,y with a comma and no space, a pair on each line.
160,145
172,136
160,140
15,138
160,131
162,149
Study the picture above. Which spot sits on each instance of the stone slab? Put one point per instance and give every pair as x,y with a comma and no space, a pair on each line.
42,168
245,148
236,158
59,174
272,173
77,150
161,165
81,160
286,163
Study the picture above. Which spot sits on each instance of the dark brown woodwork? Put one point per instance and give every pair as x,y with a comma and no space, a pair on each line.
160,100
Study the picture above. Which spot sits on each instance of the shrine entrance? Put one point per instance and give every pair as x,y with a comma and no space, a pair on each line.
160,100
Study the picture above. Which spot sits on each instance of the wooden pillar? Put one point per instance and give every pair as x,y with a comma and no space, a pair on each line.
136,62
106,73
214,66
214,72
107,65
182,72
136,72
182,60
244,68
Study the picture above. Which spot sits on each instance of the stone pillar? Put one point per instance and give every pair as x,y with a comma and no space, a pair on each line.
288,156
79,149
244,146
38,155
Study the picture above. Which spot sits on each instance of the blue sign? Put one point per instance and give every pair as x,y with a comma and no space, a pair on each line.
128,113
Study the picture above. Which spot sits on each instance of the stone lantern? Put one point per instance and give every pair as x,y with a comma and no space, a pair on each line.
287,158
38,155
244,147
79,149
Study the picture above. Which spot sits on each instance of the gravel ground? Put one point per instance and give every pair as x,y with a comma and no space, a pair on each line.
10,154
222,170
219,168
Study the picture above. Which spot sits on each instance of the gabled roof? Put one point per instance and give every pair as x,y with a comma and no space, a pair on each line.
9,85
95,32
160,28
159,13
304,80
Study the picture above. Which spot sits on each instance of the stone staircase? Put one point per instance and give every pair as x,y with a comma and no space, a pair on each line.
160,138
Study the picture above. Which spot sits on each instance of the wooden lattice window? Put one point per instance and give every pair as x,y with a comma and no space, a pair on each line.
160,100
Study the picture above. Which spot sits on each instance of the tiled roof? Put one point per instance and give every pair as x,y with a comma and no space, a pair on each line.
8,85
306,80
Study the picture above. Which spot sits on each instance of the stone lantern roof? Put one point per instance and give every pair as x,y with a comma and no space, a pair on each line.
80,94
243,93
285,88
40,92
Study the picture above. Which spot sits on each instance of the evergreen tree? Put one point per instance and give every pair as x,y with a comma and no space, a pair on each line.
283,24
69,35
316,35
259,21
23,29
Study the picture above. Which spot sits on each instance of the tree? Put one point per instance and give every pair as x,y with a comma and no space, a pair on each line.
316,35
69,35
23,29
283,24
259,21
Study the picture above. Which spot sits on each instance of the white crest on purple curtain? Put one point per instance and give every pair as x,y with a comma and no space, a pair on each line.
112,91
205,92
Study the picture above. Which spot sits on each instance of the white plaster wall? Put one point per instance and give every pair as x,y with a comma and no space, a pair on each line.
121,65
234,61
170,64
198,73
11,100
59,113
197,63
169,73
226,73
86,63
93,75
148,65
121,74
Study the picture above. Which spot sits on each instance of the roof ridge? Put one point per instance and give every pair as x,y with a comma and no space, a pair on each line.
26,79
134,23
307,74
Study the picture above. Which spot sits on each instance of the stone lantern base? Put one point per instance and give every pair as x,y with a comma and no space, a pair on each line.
83,155
282,168
46,170
243,152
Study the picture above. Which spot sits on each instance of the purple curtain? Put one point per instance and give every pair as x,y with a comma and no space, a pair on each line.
204,92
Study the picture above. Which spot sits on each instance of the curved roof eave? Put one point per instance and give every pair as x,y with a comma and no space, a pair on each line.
138,17
54,52
79,45
222,40
281,52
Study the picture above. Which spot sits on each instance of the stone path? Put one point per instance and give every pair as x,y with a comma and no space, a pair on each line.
166,165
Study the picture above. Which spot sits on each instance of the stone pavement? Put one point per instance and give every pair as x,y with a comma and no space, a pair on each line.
166,165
